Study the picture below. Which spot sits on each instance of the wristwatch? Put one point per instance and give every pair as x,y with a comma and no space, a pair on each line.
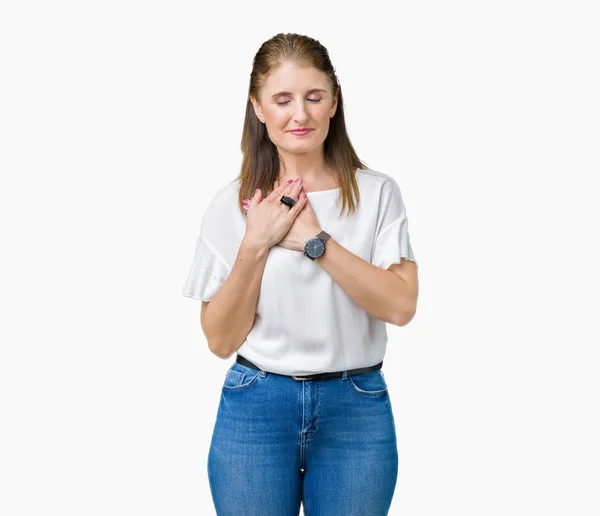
315,247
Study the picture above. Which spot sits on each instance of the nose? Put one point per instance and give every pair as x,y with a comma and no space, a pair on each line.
300,113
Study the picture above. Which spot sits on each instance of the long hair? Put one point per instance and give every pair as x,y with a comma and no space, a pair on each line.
261,161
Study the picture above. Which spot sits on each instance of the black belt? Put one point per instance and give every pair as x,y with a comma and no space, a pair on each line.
319,376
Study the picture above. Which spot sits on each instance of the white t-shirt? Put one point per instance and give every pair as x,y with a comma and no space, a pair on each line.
305,323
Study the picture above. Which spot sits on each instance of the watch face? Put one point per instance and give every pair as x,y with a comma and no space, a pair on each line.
315,247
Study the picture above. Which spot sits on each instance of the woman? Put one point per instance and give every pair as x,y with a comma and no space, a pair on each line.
301,294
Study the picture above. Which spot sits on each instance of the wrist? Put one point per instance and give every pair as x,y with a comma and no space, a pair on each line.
312,234
257,248
318,246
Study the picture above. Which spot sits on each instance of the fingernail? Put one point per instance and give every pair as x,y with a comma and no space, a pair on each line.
299,181
290,181
304,195
245,201
256,191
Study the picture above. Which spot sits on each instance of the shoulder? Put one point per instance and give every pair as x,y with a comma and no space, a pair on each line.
220,208
377,183
226,196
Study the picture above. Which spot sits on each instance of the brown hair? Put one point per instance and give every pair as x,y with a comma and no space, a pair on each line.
261,161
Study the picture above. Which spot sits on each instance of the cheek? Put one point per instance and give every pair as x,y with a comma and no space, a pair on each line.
275,119
324,116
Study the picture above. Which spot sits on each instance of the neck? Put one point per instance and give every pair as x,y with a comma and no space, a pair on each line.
311,168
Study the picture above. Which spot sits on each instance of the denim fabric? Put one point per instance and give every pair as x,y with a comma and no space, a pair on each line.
279,442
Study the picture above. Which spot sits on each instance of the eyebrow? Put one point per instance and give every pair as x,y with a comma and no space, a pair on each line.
279,93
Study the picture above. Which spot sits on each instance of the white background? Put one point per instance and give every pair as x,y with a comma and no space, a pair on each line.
119,120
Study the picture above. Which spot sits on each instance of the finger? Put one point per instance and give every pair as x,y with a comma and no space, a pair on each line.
277,192
256,198
290,191
294,210
297,188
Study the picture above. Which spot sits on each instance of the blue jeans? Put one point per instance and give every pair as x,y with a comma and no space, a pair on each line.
278,442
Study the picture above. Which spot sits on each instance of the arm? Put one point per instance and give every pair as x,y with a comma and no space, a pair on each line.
390,296
228,318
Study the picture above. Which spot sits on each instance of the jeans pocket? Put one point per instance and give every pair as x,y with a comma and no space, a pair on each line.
240,377
369,384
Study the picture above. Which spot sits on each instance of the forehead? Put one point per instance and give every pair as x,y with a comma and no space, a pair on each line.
293,78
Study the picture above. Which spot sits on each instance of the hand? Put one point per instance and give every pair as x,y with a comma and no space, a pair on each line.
304,227
268,219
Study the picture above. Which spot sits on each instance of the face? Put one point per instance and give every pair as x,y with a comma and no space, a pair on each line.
294,98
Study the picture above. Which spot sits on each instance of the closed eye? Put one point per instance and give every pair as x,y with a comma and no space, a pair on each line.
316,101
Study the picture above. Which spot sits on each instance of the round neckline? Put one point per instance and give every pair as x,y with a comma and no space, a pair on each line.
323,191
332,189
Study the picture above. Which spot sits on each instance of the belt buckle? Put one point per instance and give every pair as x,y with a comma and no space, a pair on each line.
309,377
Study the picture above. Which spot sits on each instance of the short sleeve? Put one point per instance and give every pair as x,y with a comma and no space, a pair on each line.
393,240
209,269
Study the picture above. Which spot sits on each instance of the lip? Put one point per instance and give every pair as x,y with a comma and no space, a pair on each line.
300,132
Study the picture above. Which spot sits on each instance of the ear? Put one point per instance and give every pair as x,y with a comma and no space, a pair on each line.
257,109
333,107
